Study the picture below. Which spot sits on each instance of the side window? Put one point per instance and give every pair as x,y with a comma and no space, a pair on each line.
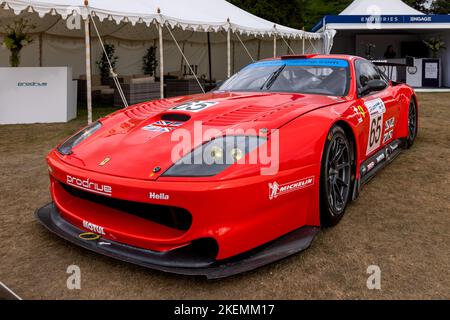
366,71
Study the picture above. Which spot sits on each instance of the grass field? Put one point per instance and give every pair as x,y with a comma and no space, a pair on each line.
401,222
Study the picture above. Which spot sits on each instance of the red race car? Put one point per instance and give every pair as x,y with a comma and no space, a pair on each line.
221,183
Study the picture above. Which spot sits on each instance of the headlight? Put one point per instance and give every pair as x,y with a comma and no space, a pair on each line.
215,156
66,147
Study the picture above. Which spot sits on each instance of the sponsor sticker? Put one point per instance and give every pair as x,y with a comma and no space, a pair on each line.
158,196
388,136
362,111
163,126
276,189
88,185
388,129
195,106
376,109
389,124
375,106
94,228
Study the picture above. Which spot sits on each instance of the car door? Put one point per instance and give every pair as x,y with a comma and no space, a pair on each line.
381,109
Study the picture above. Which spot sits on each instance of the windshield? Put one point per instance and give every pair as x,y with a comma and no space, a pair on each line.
314,76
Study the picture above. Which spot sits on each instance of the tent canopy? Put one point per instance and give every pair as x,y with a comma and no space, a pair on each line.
391,7
382,15
194,15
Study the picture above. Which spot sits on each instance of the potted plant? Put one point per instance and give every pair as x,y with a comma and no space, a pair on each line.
16,39
369,51
150,62
103,65
435,45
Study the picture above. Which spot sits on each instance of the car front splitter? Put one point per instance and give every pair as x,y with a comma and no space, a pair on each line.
181,261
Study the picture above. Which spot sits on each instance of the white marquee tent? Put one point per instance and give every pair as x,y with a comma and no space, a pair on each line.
382,7
134,25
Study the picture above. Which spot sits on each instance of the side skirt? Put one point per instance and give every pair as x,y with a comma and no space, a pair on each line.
376,163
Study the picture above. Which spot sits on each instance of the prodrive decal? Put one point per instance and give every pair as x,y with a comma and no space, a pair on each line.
90,186
276,190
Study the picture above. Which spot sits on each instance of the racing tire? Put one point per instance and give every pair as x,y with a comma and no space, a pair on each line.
412,124
336,177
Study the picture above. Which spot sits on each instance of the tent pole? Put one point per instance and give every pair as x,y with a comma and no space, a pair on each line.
274,45
229,50
40,49
209,58
303,38
87,36
161,58
275,41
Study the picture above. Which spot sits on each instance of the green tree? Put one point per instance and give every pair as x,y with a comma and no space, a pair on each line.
420,5
306,13
293,13
441,7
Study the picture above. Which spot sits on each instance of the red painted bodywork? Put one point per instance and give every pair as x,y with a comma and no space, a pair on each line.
233,207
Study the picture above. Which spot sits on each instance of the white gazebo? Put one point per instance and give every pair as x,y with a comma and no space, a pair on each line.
367,27
214,35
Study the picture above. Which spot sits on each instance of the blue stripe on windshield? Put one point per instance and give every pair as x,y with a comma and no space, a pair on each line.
337,63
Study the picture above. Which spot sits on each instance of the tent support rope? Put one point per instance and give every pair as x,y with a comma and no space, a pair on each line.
185,59
111,69
246,49
287,44
312,44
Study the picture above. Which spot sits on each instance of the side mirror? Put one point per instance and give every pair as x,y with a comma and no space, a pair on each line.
376,85
218,84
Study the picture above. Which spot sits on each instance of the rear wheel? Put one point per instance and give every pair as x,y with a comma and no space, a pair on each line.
336,176
412,123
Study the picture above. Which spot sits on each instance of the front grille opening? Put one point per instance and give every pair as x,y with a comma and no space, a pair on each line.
172,217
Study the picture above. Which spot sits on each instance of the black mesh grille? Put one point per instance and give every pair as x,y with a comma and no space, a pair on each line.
168,216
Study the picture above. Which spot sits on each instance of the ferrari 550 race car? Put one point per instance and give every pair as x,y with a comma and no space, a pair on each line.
221,183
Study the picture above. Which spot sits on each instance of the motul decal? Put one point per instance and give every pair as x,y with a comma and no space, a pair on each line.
276,190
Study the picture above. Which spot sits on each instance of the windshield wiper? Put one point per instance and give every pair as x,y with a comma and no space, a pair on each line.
271,80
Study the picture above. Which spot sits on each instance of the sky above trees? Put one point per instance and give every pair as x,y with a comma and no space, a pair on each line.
306,13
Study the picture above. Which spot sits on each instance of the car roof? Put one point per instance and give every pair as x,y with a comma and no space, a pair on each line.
349,58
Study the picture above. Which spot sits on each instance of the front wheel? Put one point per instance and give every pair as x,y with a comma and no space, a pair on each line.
336,175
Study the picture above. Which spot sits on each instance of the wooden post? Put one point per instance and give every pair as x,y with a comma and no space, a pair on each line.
87,36
161,57
229,50
303,38
209,58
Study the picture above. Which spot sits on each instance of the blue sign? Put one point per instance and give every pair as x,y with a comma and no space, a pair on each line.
384,19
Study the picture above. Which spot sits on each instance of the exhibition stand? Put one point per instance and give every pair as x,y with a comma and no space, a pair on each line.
37,95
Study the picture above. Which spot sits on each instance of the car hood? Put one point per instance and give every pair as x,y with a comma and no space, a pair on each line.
138,139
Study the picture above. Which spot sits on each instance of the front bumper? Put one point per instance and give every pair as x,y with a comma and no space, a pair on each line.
182,261
238,214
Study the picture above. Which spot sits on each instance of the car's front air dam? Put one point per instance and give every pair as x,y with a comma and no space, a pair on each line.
238,213
186,260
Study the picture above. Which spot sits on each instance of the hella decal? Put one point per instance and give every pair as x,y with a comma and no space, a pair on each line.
276,190
94,228
158,196
90,186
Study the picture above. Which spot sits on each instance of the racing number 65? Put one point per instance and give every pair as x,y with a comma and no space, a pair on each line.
375,131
